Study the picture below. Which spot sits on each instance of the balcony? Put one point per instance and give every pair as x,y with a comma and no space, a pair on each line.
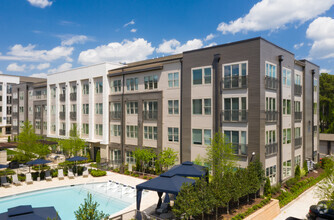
62,97
38,115
298,90
62,115
62,132
73,96
73,115
271,83
234,82
298,116
239,149
271,149
234,115
115,115
298,142
150,115
271,116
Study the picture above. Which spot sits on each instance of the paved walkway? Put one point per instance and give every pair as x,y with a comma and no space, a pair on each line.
300,206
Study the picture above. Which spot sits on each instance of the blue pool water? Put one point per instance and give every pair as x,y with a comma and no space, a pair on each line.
66,200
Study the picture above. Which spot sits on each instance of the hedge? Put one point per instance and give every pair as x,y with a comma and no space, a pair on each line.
252,209
97,173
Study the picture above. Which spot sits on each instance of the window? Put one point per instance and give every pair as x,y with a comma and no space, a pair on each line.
173,134
37,125
132,84
207,106
201,75
173,107
85,89
131,131
315,85
286,107
129,158
238,139
298,160
99,108
197,136
286,168
53,127
271,174
198,107
53,92
150,106
270,70
85,128
298,80
132,108
53,109
115,130
235,109
173,80
271,104
151,82
287,136
0,86
0,111
297,132
98,87
270,137
21,109
297,106
115,106
207,136
286,77
73,89
150,133
117,155
116,86
234,74
98,129
21,95
45,125
0,98
73,108
85,109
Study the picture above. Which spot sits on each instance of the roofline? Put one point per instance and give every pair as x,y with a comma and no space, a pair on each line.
304,60
22,76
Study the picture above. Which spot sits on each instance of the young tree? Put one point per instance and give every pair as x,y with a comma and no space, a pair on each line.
267,187
297,172
167,158
228,189
88,210
73,145
205,196
326,107
143,157
325,190
253,180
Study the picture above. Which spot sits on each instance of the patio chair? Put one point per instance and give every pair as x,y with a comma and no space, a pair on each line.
70,174
163,208
48,176
16,180
29,178
4,182
85,173
60,174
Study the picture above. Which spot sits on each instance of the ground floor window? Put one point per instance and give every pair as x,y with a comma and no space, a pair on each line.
129,158
117,156
173,134
131,131
271,174
150,133
286,168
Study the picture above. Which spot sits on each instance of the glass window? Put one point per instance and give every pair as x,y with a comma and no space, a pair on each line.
132,84
197,136
99,108
207,106
207,136
288,109
284,106
116,86
151,82
173,107
132,108
150,133
173,80
197,106
197,77
131,131
173,134
85,109
98,87
207,76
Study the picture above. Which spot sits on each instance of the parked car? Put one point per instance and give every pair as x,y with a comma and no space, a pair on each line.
323,210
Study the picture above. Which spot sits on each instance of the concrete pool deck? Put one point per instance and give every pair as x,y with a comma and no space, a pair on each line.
148,200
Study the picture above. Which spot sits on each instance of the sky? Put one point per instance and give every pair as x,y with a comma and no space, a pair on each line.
38,37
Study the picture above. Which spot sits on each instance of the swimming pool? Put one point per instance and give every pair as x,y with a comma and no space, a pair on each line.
111,196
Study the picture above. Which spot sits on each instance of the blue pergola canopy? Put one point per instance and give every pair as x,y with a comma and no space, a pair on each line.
26,212
76,158
3,166
38,162
187,169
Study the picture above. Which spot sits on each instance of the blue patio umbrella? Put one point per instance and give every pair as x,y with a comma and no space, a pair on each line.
38,162
3,166
26,212
76,158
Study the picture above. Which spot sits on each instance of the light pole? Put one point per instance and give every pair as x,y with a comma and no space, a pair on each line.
253,154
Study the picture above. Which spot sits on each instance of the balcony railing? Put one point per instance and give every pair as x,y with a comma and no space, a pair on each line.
298,116
239,149
150,115
234,82
61,132
271,116
271,149
271,83
298,89
73,115
298,142
234,115
38,115
115,114
62,97
73,96
62,115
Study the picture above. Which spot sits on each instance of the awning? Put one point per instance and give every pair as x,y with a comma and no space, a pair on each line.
26,212
187,169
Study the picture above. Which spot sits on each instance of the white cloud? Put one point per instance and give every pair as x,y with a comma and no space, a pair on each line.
209,37
132,22
325,71
133,30
39,75
1,72
63,67
40,3
297,46
211,45
14,67
126,51
174,46
43,66
321,31
69,40
275,14
28,53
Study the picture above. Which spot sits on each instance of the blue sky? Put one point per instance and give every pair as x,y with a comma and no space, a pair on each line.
45,36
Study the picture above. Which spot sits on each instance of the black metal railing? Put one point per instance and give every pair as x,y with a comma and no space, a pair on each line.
73,96
38,115
61,132
150,115
298,141
239,149
271,149
271,116
62,97
298,89
235,82
235,115
298,116
73,115
271,83
115,114
62,115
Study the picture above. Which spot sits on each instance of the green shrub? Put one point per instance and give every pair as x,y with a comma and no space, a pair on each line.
8,139
126,172
305,167
7,171
145,177
97,173
98,157
267,187
136,175
297,171
117,170
93,165
149,178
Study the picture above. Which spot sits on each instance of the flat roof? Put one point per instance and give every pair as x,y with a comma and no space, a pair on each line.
326,137
26,78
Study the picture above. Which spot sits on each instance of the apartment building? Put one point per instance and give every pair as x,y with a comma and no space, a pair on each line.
7,82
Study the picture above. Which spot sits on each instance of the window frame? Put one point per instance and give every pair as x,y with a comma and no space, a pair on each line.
203,78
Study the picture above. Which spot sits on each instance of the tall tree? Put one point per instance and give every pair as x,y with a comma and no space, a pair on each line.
326,95
204,196
143,156
73,145
325,189
167,158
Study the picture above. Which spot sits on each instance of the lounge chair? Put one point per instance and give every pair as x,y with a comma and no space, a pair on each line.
4,182
70,174
29,179
16,180
60,174
47,175
163,208
85,173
